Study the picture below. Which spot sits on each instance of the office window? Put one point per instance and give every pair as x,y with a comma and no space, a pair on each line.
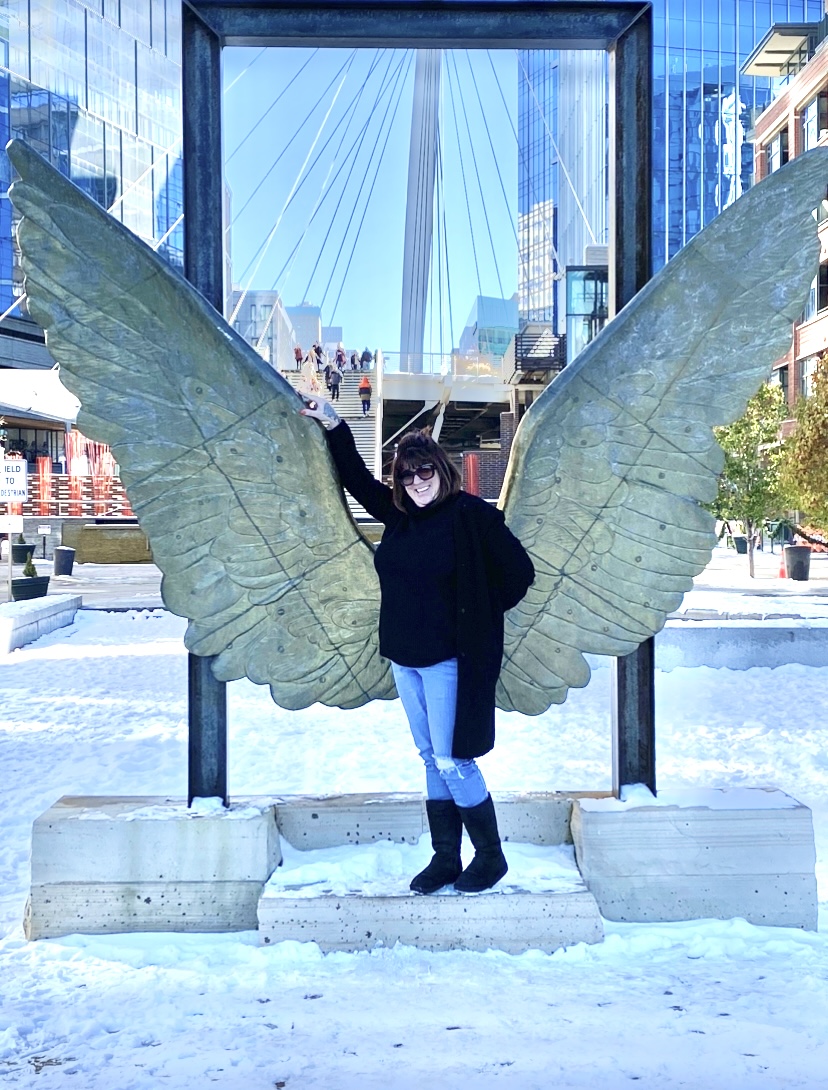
814,120
778,151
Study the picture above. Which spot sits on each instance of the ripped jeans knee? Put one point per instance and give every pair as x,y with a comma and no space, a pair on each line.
463,779
448,767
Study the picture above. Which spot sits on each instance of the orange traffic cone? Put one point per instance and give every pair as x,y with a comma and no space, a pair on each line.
782,573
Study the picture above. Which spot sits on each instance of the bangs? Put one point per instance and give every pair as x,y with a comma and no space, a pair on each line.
412,459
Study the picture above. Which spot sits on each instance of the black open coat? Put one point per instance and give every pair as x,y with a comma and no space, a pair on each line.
493,573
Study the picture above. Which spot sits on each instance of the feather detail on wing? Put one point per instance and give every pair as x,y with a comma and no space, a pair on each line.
609,465
235,490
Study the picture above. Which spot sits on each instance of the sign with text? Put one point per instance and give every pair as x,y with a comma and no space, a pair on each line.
13,480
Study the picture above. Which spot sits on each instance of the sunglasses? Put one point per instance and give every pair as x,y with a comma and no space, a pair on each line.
424,472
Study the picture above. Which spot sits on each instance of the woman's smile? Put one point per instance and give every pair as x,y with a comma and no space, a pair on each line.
423,492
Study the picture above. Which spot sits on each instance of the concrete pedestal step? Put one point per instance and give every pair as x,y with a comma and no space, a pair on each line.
512,921
152,863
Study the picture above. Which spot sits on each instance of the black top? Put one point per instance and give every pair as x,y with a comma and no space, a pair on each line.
417,566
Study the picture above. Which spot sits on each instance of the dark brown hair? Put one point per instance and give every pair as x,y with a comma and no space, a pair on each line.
415,449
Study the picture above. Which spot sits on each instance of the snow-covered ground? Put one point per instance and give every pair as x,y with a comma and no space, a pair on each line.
100,708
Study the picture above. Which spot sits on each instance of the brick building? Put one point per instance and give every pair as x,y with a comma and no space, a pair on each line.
797,56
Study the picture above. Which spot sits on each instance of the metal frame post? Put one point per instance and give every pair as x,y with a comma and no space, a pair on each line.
630,159
204,268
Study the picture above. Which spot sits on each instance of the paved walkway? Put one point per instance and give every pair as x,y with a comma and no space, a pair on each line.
726,589
723,589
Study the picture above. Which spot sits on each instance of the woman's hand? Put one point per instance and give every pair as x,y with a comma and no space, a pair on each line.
320,410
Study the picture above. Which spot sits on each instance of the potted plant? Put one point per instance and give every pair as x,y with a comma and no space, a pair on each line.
30,585
21,550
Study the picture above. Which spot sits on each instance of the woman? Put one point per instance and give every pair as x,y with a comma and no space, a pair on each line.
365,394
448,568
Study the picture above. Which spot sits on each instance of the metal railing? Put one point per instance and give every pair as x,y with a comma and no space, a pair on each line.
449,363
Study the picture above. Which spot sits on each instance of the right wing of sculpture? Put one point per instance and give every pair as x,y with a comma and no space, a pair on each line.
235,490
610,464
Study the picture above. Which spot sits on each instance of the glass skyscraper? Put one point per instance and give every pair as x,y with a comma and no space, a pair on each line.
703,111
95,87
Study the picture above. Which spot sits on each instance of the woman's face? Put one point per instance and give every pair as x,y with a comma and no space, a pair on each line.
423,492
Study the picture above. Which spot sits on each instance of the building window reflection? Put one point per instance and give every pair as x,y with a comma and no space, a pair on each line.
95,88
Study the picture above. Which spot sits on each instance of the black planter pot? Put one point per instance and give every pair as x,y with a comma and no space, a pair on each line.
21,552
34,586
741,544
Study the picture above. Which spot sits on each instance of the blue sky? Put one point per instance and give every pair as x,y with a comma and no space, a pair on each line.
309,133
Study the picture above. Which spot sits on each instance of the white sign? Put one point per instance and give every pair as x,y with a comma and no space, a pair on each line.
44,530
14,481
11,524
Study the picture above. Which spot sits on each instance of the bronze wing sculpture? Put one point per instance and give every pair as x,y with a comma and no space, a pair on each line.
240,501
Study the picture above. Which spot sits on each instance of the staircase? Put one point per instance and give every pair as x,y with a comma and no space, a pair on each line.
364,428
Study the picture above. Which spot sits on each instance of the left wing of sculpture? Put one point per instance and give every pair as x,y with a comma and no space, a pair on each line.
610,464
235,490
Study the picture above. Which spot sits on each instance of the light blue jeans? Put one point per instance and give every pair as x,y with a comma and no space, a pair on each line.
429,697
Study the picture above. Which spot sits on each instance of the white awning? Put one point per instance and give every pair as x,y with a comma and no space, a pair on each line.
37,394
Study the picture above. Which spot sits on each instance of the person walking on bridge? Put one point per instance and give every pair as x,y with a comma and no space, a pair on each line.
365,394
448,569
334,379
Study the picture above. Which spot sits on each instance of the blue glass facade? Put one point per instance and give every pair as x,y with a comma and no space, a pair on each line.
95,88
703,110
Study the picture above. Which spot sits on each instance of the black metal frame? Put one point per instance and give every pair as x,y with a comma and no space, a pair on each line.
623,29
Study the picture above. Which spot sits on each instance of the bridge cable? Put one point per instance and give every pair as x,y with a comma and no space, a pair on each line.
521,257
465,187
362,184
477,171
322,192
344,68
552,141
522,155
386,85
273,104
293,190
445,244
244,71
373,184
308,174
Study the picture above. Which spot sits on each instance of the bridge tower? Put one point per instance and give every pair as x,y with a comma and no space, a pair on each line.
419,209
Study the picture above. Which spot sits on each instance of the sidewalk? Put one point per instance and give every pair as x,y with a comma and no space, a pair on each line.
723,589
726,589
103,586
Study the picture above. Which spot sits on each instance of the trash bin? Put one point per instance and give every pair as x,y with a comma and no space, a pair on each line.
798,562
64,559
740,541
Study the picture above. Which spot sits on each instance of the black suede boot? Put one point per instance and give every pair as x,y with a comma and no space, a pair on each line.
489,864
446,833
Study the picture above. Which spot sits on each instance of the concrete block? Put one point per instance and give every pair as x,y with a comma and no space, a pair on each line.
306,822
23,622
742,644
328,821
101,908
699,854
153,839
512,922
149,863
